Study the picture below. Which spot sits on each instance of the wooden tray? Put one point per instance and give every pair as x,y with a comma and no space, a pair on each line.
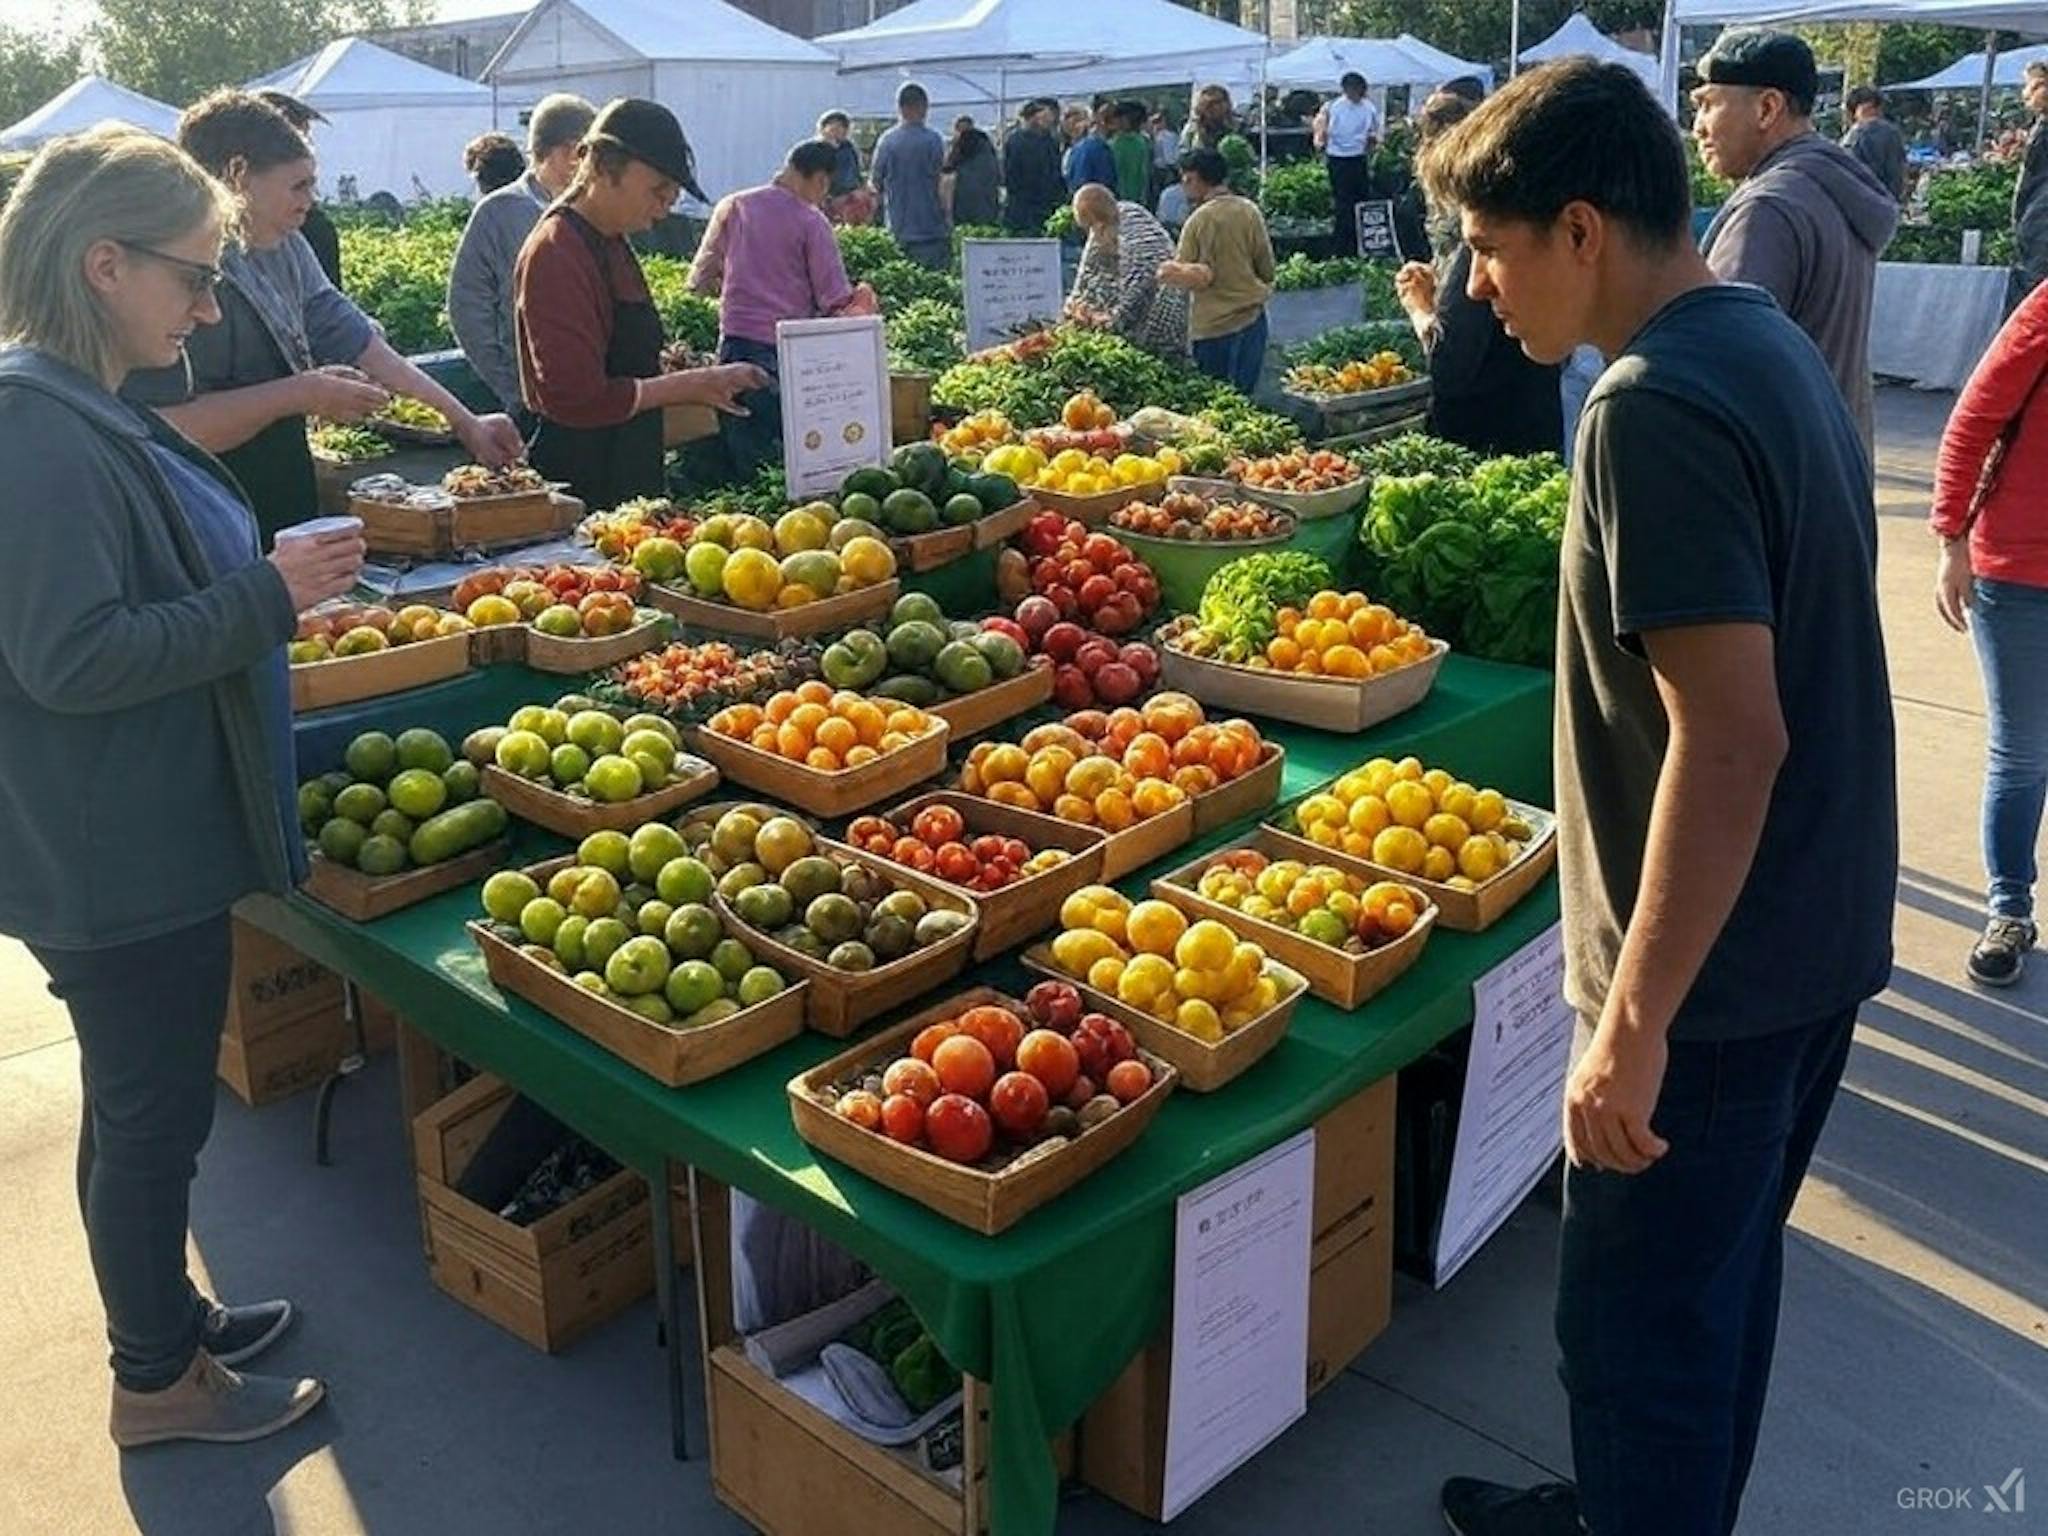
478,522
987,1202
972,713
1093,511
1001,527
1144,842
1244,795
1203,1067
1031,905
844,610
1333,974
546,806
841,1001
346,679
1464,911
491,644
1339,704
672,1056
1417,388
365,898
811,789
554,653
919,552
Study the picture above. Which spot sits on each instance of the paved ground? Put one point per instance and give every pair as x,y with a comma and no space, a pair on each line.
1914,1350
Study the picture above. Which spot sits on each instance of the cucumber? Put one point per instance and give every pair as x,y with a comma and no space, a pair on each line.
469,825
908,688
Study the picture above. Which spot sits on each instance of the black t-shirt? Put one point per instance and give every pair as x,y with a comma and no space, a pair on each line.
1719,479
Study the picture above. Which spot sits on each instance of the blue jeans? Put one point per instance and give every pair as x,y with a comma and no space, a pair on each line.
1668,1282
754,439
2009,623
1236,359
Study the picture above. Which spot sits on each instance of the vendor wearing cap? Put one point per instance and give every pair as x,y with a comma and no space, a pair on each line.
590,340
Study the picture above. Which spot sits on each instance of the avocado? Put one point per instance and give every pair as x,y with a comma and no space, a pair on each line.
872,481
919,466
908,688
994,492
909,511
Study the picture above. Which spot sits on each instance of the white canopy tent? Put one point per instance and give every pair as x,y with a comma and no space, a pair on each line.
1317,63
744,90
393,124
1578,38
1454,68
84,103
1967,73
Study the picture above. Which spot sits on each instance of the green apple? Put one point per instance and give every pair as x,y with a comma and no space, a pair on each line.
524,752
637,967
758,985
654,847
506,894
732,958
693,984
684,882
653,917
650,744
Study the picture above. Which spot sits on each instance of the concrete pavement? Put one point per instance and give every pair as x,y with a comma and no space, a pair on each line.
1913,1355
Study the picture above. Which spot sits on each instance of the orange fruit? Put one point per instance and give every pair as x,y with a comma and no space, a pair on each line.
1196,746
779,707
814,691
869,723
767,738
1283,652
1047,773
741,720
1286,619
1152,797
1074,808
1195,779
824,759
1353,601
792,742
1114,811
893,741
808,716
1090,777
1148,756
837,736
857,755
910,722
1346,661
1011,792
1006,765
1325,605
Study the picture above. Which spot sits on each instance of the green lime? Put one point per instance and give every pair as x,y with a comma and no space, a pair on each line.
372,757
381,855
342,839
360,803
541,919
506,894
423,749
732,958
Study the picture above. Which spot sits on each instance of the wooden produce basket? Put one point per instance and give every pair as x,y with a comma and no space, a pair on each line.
347,679
492,644
910,407
1001,527
1335,975
1244,795
844,610
554,653
1030,906
1203,1067
332,477
1338,704
920,552
1463,911
972,713
476,522
1145,842
841,1001
1093,511
546,806
364,898
812,789
987,1201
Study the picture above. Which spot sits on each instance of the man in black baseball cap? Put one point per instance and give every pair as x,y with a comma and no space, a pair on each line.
648,132
1808,220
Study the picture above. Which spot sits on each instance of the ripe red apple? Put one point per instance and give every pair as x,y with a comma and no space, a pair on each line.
997,624
1062,640
1116,683
1095,654
1036,615
1071,688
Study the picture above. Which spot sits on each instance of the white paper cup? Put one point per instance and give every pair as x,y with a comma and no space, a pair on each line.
318,528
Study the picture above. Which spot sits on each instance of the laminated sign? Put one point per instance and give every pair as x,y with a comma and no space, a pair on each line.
835,399
1376,240
1009,286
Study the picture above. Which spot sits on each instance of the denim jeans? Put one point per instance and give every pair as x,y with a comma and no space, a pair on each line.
1668,1282
148,1018
2009,622
754,439
1237,358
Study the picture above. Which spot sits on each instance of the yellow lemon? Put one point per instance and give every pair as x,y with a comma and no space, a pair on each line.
1155,927
1489,810
1478,860
1200,984
1410,804
1206,946
1105,973
1438,781
1144,978
752,579
1409,768
1446,831
868,561
1458,801
1369,815
1439,864
1078,910
1401,848
1199,1018
1076,951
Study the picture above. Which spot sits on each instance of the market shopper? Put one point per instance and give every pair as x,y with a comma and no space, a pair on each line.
1165,155
2030,192
481,295
1091,160
146,631
1117,285
288,346
770,256
1225,262
1993,582
491,161
1033,185
1347,131
318,229
589,336
1133,153
905,171
1875,140
1807,221
1724,772
973,175
850,200
1212,121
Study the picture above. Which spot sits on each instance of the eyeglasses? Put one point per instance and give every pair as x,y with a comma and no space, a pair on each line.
202,279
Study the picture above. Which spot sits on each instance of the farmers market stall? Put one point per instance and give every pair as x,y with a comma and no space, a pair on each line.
1930,323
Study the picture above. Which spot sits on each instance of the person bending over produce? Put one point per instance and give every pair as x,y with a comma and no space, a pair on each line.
590,339
288,346
147,631
1117,285
1226,262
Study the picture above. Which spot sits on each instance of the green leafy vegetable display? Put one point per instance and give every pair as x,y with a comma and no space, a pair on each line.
895,1340
925,336
1299,189
1415,453
690,318
1242,599
400,278
349,444
1349,343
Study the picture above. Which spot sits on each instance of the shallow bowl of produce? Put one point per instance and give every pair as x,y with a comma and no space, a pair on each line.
1311,506
578,816
1365,399
1184,566
837,793
1340,704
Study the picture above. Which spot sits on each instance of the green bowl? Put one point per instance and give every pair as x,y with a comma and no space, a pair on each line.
1184,566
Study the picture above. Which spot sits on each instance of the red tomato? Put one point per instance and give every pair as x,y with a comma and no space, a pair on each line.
938,824
928,1039
958,1128
862,1108
1018,1102
1017,851
986,847
911,1078
863,830
998,1029
911,852
903,1119
999,873
965,1066
1128,1080
1050,1057
954,862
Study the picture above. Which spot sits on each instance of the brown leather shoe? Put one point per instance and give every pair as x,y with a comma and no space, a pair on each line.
210,1402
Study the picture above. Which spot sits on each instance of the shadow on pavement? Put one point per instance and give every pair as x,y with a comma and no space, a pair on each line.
218,1490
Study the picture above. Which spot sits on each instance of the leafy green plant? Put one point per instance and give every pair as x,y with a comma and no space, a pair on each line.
1299,189
1708,190
1061,223
690,318
1352,343
1242,600
399,275
925,336
864,247
1243,163
903,282
1972,197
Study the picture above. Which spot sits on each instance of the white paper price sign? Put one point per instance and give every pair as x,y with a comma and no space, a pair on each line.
835,399
1009,285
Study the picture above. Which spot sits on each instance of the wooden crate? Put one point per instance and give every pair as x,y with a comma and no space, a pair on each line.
1350,1297
972,713
910,407
824,794
1337,704
551,1282
479,522
546,806
273,984
844,610
364,898
299,1053
920,552
1245,795
592,653
1146,841
1334,975
493,644
347,679
1093,511
1000,527
987,1202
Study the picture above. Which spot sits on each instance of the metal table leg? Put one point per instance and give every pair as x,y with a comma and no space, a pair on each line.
669,1304
354,1054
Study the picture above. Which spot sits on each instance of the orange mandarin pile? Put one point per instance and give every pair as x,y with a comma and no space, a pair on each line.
822,729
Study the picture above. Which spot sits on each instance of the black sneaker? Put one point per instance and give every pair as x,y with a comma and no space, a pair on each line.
1473,1507
235,1334
2001,954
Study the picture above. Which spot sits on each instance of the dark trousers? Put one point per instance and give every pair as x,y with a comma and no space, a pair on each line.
754,439
936,254
1667,1299
1237,358
148,1018
1350,185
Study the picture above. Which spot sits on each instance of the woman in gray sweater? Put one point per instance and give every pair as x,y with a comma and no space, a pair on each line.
145,737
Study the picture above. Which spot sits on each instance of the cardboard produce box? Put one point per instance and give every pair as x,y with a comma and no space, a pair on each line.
273,984
285,1030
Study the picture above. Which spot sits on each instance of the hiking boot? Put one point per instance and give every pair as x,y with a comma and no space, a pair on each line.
210,1402
235,1334
2001,954
1476,1508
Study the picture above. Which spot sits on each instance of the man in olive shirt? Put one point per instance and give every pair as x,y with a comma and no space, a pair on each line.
1727,808
1226,263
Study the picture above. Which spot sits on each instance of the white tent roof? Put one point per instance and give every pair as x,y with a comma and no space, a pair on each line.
350,72
1454,67
1579,36
85,102
656,31
1967,73
1983,15
1319,62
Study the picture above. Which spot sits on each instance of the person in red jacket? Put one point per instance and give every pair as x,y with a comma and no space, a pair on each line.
1993,583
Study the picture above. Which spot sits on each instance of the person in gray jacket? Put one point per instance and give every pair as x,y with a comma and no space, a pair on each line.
480,286
146,774
1808,220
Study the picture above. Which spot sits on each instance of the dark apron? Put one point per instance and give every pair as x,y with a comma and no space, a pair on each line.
603,466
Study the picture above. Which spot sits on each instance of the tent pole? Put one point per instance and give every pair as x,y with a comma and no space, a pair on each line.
1984,96
1514,38
1265,58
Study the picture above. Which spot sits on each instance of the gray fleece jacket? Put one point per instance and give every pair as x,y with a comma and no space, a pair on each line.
480,285
1807,226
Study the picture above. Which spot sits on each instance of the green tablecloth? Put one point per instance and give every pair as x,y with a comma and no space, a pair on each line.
1051,1311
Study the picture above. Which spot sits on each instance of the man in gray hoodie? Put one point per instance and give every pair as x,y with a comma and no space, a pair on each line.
1808,220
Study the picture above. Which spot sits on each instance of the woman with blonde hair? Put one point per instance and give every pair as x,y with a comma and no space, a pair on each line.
145,737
